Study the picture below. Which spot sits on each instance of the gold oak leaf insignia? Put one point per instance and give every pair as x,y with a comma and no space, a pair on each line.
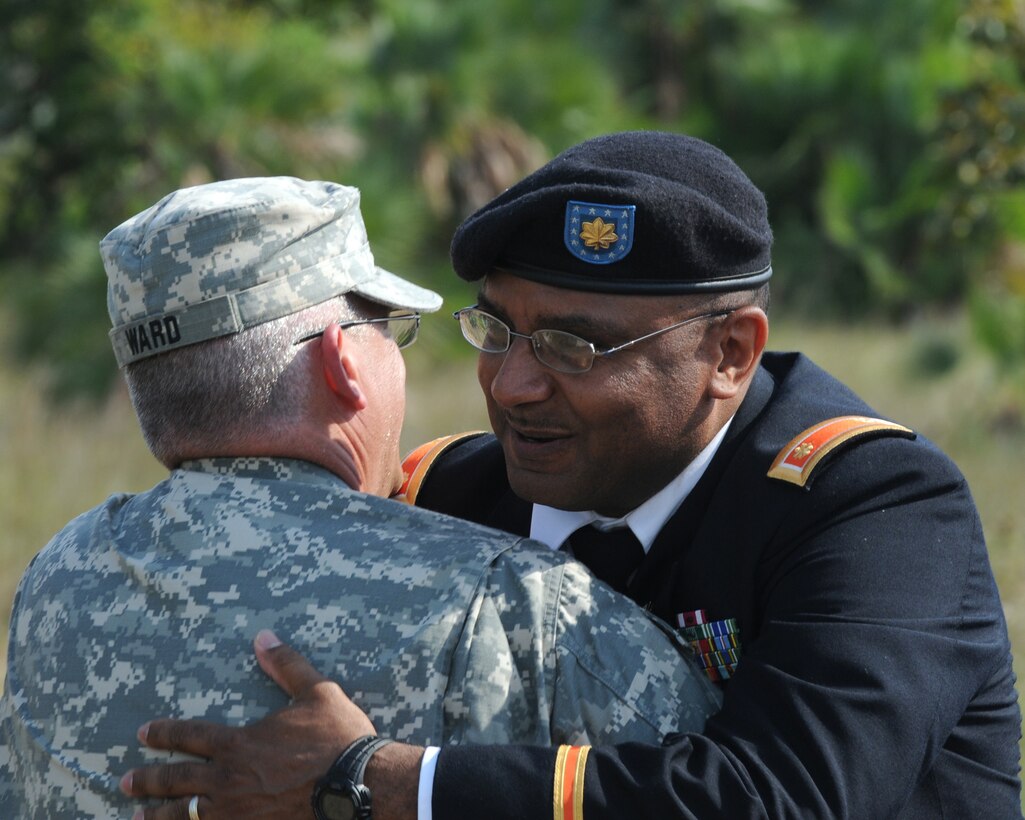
599,234
803,450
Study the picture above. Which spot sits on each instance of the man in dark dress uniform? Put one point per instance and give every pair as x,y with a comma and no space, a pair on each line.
827,565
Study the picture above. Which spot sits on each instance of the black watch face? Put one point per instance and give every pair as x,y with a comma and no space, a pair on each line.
336,806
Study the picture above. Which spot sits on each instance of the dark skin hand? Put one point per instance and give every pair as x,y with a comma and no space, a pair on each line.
268,769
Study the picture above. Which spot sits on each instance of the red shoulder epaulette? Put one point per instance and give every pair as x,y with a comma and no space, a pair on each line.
417,464
795,462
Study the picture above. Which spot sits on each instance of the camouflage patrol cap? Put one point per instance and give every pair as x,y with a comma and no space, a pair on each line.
213,260
643,212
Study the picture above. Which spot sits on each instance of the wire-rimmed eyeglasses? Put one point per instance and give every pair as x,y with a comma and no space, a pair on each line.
403,328
557,349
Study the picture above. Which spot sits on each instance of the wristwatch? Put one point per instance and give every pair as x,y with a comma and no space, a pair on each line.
340,794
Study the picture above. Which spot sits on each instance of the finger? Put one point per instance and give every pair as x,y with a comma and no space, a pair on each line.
195,737
286,667
175,810
169,780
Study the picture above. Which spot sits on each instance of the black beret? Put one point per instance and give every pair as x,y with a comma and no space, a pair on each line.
634,212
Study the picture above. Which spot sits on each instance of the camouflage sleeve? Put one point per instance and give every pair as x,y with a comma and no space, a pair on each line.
503,676
623,675
548,655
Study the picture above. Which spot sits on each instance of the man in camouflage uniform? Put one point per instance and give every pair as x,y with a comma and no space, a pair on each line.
260,344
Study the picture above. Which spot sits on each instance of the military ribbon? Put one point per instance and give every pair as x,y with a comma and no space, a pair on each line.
716,644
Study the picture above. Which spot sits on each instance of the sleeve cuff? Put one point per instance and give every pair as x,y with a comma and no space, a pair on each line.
425,792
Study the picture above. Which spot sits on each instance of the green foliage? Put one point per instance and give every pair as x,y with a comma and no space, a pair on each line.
889,137
985,137
1000,325
846,98
111,105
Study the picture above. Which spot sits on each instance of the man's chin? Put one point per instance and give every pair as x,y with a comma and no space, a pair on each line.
550,489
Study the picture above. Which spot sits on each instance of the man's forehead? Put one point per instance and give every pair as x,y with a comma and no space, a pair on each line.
542,303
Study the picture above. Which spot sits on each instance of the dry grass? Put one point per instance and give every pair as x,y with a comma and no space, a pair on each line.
58,462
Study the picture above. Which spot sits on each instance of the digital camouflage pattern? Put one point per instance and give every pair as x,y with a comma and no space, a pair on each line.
214,259
443,631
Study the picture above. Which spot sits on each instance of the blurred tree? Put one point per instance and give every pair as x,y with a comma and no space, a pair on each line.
984,142
463,99
61,147
888,137
833,108
109,105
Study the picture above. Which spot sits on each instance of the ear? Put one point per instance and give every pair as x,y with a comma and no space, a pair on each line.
340,368
741,340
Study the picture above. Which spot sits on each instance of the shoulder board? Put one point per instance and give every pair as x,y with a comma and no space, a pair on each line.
417,464
795,462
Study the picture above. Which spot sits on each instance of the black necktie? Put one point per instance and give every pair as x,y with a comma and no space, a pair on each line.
611,555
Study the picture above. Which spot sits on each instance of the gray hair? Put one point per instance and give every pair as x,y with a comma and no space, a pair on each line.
229,390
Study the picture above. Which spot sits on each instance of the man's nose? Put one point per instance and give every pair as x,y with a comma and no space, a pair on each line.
518,377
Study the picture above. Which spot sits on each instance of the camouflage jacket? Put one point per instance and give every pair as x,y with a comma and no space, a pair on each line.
443,631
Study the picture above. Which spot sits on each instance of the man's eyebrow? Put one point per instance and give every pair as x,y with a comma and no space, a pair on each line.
487,304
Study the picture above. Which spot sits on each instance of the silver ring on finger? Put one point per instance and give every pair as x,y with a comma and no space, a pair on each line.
194,807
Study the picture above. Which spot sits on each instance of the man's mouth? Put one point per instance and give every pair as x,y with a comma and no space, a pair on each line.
536,438
533,432
532,443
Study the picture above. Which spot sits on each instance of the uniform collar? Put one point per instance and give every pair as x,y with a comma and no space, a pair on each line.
263,467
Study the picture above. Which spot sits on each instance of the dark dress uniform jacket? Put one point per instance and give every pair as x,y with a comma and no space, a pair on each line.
875,678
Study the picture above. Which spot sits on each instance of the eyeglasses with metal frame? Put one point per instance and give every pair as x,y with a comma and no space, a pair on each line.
402,328
557,349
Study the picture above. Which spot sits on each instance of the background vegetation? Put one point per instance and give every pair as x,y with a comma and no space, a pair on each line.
889,139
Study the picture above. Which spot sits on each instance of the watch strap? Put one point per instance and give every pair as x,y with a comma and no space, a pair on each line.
348,769
352,763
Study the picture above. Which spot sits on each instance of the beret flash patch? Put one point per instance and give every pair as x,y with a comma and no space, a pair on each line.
599,234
